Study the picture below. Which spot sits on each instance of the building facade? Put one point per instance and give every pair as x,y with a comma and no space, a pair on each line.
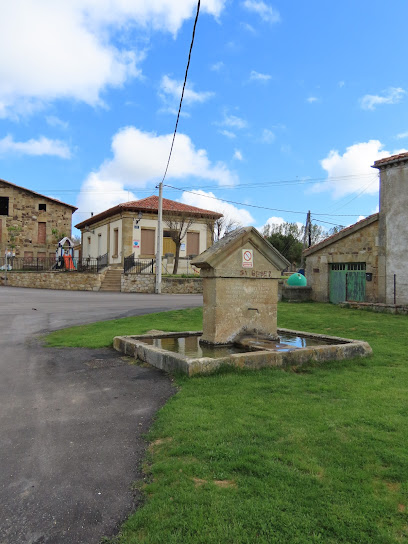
31,224
368,262
131,228
345,266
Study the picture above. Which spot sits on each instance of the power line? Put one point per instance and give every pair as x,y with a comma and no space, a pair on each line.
182,92
259,207
284,182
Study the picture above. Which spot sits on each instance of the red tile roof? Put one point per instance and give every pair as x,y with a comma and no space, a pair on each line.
341,234
39,194
151,204
394,158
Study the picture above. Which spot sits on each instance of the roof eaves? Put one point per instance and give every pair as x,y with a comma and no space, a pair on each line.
74,208
342,234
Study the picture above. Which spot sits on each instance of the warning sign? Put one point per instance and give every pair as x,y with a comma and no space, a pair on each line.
247,258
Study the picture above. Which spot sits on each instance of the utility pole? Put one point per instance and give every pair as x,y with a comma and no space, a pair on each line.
159,245
307,236
5,269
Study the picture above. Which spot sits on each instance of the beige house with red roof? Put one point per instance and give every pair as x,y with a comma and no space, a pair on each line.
368,261
131,228
31,224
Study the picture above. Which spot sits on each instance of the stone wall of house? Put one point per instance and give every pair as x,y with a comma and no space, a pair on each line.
145,283
360,246
25,215
393,233
68,281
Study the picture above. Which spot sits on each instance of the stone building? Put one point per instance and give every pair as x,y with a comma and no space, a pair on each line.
338,267
31,224
367,261
131,228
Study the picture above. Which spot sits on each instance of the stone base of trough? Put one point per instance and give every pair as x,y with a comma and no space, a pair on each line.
377,307
344,348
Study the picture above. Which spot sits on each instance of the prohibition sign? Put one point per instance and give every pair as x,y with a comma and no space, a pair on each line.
247,258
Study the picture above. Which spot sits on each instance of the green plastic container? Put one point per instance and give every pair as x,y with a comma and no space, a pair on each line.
297,280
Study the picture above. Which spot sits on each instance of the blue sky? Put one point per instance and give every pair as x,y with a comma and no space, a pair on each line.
287,106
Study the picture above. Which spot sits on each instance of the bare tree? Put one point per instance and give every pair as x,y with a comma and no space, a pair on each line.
223,226
178,227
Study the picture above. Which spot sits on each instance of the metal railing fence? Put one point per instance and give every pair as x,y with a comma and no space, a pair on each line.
47,264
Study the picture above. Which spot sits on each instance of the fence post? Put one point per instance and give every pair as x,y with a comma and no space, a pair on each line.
395,289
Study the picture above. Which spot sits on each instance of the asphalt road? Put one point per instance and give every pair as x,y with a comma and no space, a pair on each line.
71,420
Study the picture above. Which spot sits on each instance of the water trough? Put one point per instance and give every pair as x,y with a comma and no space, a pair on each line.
240,291
183,352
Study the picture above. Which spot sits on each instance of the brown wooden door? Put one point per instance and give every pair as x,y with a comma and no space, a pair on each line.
193,243
42,232
169,246
147,242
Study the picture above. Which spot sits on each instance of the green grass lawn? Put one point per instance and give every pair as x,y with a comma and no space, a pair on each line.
101,334
313,455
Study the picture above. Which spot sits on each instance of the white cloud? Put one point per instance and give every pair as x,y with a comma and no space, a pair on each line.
42,146
257,76
312,99
228,134
139,159
232,121
267,136
352,170
392,95
265,11
238,155
402,135
248,28
65,50
172,89
217,66
208,201
279,221
56,122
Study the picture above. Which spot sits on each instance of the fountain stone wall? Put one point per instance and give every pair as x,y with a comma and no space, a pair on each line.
240,287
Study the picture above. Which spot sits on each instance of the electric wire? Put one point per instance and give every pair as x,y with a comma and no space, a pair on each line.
259,207
182,92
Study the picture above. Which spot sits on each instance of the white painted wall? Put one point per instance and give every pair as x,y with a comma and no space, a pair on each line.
91,250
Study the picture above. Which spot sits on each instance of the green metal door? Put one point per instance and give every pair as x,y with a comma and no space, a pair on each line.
347,282
355,282
337,283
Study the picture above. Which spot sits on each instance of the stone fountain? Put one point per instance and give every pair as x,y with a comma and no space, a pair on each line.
240,291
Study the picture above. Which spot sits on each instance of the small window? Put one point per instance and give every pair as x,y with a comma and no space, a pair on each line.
116,242
89,240
4,205
42,207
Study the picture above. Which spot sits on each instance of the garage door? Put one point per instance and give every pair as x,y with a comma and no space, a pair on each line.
347,282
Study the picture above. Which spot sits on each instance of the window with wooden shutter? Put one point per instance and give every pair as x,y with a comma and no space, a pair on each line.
193,243
147,242
42,233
